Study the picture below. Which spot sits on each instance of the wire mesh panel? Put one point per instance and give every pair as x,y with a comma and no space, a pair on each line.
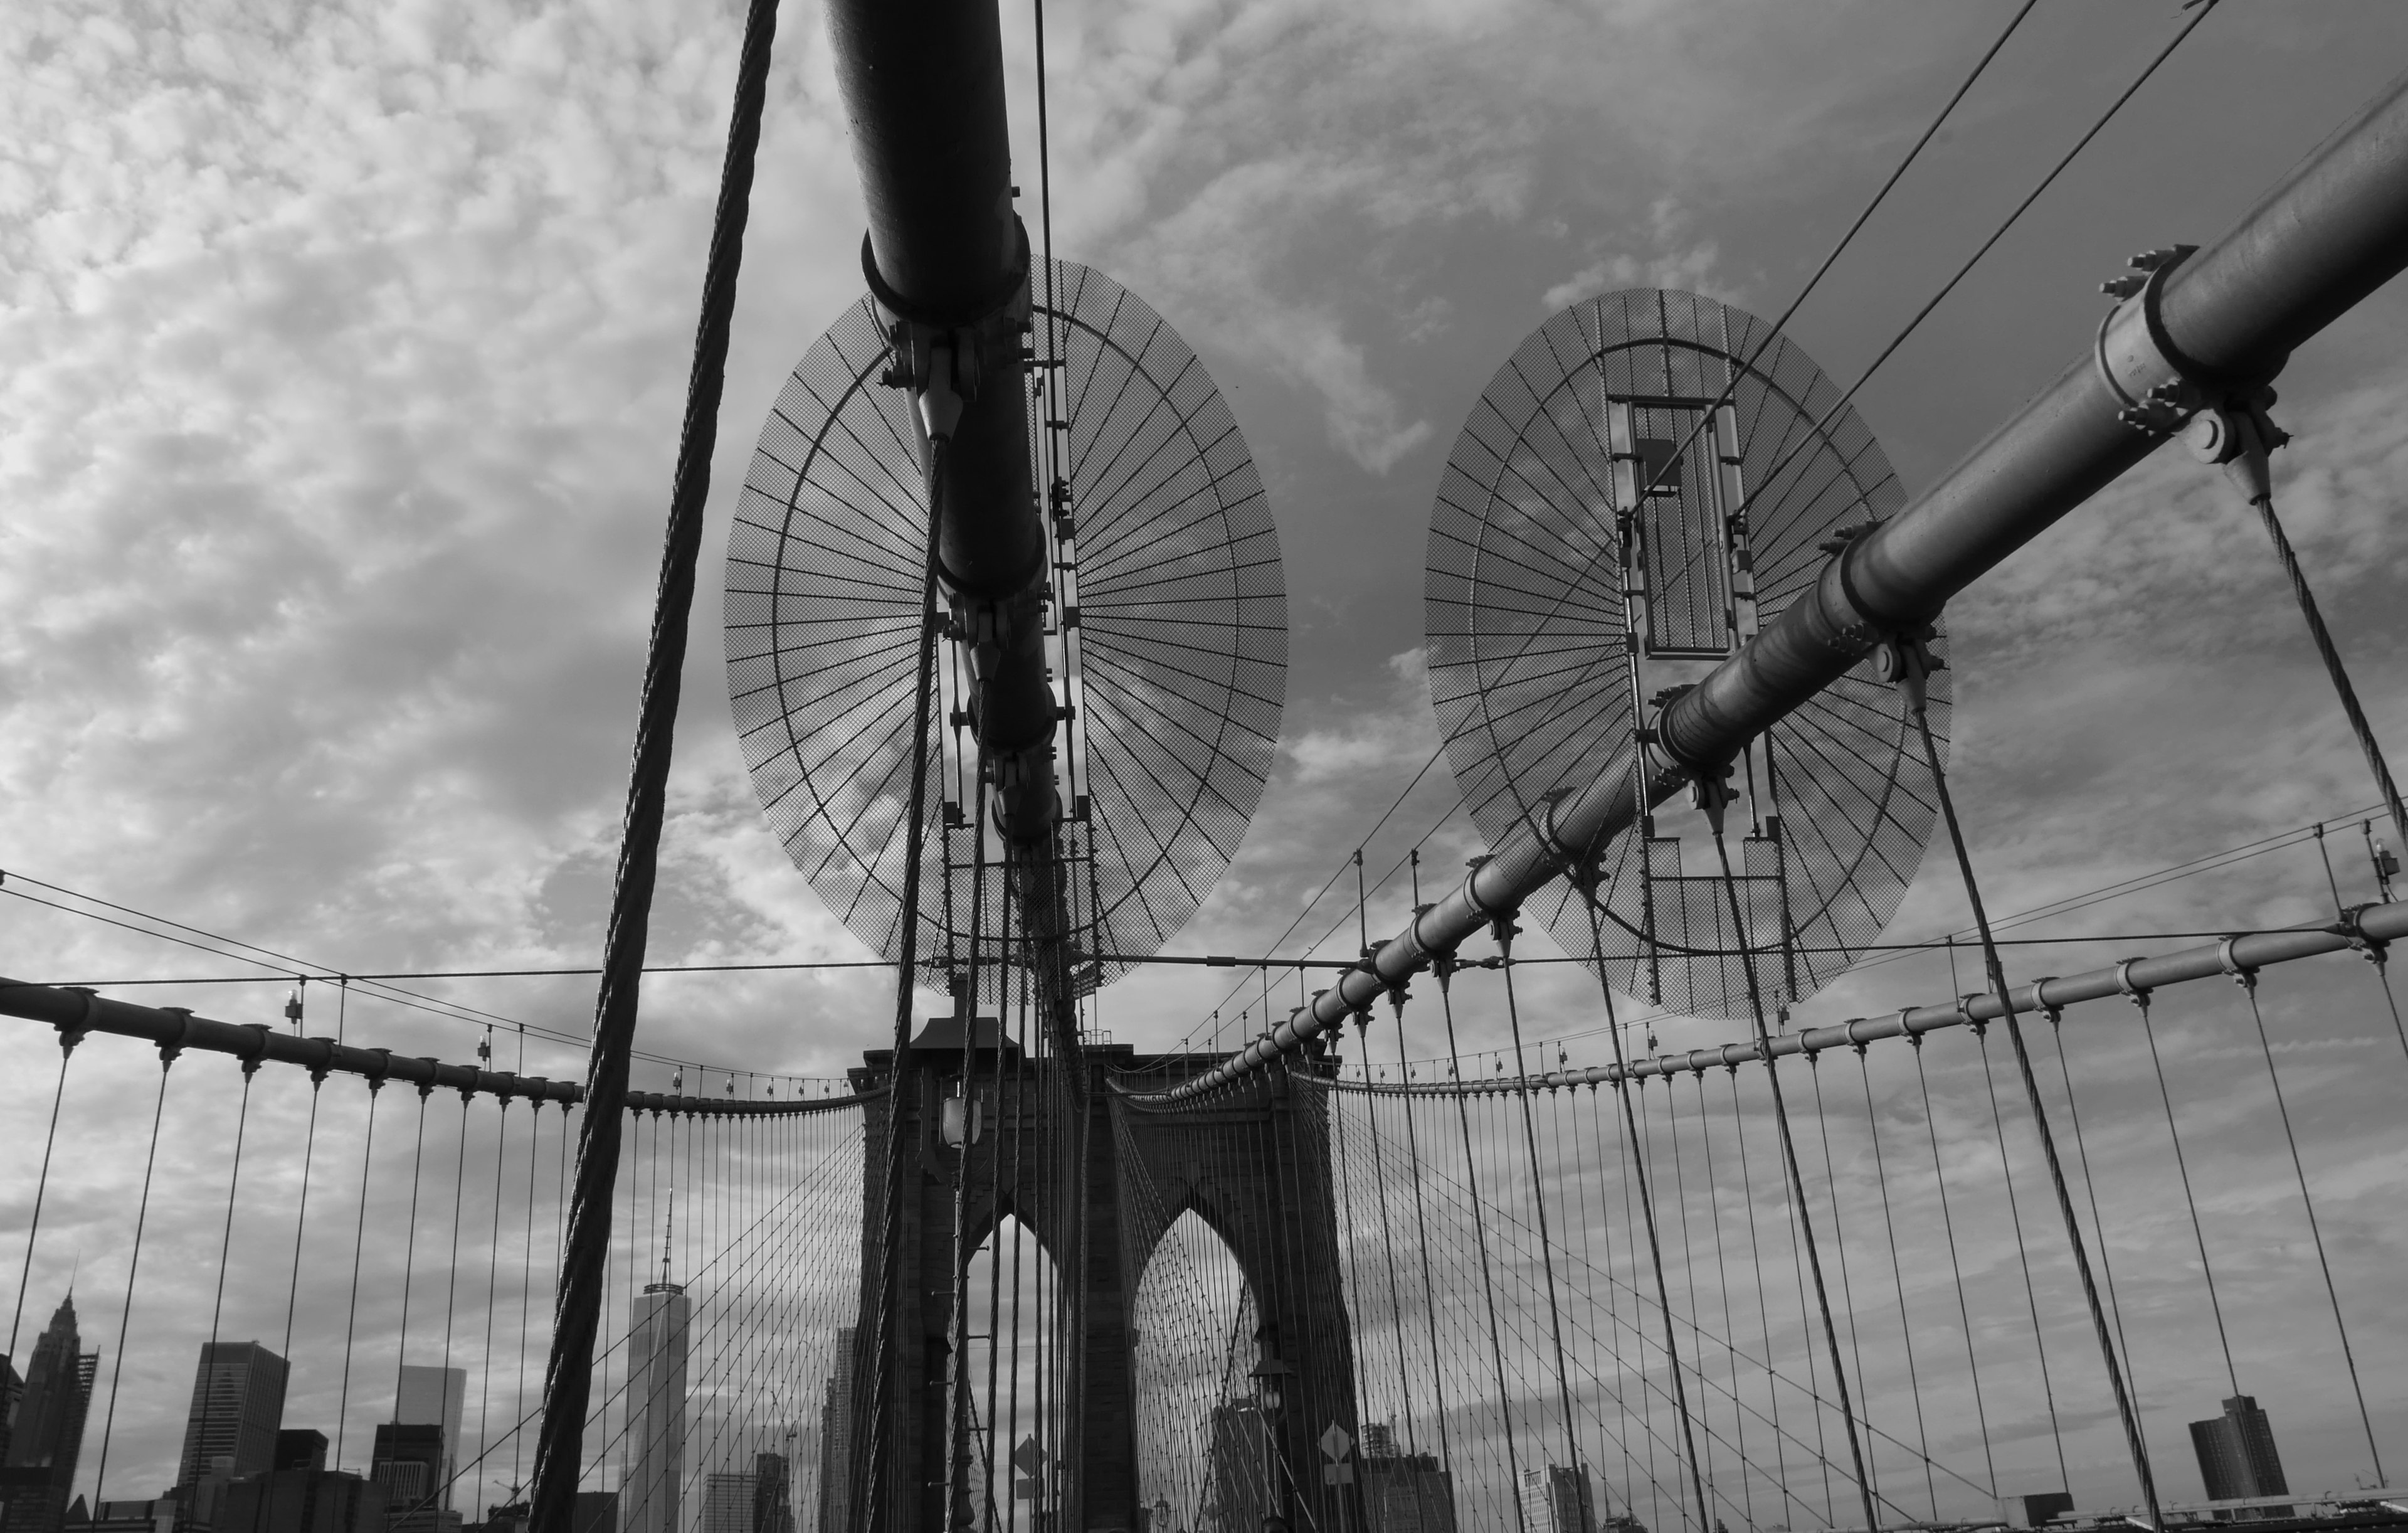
1648,480
1169,636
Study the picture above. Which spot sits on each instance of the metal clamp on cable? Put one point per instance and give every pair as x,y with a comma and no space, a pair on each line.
2372,948
915,336
2245,976
2137,995
2160,387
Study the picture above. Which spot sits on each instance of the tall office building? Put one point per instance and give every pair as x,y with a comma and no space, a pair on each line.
2237,1457
1558,1500
1405,1493
237,1410
48,1434
303,1501
432,1397
659,1327
773,1496
727,1496
407,1465
836,1438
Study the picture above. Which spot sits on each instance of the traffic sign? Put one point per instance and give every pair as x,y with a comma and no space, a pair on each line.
1334,1443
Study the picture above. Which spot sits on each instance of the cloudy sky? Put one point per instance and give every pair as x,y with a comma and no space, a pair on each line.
342,348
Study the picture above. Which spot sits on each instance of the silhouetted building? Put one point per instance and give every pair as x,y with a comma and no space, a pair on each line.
230,1431
1558,1500
2237,1457
409,1463
594,1511
659,1331
47,1433
835,1440
159,1515
12,1386
1404,1493
773,1496
300,1447
2036,1510
432,1396
1236,1478
303,1499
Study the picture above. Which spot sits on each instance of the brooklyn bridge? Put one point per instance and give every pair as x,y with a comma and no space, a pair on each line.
1685,1141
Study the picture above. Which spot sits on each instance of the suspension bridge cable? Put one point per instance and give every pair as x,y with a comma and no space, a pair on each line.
2023,1255
1505,929
409,1246
1796,1181
2014,216
1722,1288
2056,1015
2248,980
217,1299
1897,1280
567,1374
133,1271
1914,675
359,1243
67,1041
2263,497
1444,973
301,1210
1647,1205
1956,1270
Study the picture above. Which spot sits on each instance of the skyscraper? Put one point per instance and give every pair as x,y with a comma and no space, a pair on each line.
407,1466
773,1502
727,1496
1406,1493
1558,1500
48,1430
659,1327
2237,1457
237,1410
836,1438
432,1396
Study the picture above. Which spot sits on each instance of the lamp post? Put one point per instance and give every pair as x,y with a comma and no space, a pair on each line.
1271,1378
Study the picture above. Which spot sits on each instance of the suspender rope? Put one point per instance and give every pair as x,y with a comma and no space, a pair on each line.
568,1373
1647,1206
1913,673
1796,1177
2248,979
1444,969
1505,929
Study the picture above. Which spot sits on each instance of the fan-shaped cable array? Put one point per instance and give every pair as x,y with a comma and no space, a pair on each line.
1169,628
1642,486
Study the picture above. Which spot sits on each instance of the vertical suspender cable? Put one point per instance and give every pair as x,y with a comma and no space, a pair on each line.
1505,930
67,1040
1913,673
301,1212
168,1052
1647,1206
359,1242
216,1300
568,1371
1898,1278
1445,970
1797,1179
2248,979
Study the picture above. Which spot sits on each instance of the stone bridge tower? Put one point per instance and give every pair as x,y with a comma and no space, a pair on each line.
1253,1164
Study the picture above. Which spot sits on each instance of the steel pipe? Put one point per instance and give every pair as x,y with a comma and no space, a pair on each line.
948,261
2203,332
2368,927
76,1012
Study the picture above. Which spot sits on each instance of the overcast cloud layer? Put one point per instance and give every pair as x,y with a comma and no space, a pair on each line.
341,352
